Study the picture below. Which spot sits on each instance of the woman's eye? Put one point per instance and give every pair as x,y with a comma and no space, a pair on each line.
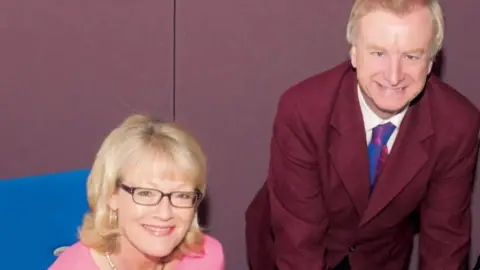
184,195
145,193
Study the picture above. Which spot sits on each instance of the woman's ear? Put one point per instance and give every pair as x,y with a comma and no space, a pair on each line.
113,201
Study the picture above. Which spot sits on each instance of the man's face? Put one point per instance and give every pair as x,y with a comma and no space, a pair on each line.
392,56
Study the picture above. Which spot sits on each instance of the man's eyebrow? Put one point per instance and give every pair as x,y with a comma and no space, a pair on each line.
416,51
375,47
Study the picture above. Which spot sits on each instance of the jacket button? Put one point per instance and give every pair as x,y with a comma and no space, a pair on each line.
352,249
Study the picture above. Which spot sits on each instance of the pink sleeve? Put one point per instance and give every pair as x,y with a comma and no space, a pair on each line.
213,259
76,257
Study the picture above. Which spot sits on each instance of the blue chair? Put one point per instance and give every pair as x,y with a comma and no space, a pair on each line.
38,215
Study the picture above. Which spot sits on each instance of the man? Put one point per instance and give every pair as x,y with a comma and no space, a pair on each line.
358,149
477,264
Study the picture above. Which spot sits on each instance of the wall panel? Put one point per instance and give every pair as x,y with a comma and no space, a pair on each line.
72,70
233,60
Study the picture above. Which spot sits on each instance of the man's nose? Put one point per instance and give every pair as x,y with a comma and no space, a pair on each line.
394,73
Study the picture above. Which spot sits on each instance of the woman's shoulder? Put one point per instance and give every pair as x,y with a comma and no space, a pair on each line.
212,259
74,257
212,246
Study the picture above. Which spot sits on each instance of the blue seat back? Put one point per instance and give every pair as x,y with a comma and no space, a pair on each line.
38,215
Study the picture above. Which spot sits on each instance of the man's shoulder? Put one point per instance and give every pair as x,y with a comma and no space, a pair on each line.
321,85
445,93
450,106
314,98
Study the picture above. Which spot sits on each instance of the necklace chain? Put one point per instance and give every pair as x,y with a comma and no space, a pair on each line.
109,260
112,265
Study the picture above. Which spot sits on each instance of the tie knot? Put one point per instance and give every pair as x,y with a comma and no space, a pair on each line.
382,133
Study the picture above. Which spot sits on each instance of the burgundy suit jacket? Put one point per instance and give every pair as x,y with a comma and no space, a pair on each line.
316,207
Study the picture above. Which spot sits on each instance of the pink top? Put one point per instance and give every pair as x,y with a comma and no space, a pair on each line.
77,257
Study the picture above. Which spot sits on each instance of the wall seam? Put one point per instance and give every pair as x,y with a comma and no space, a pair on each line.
174,61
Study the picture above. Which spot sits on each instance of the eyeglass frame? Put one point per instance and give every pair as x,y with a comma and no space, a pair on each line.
131,191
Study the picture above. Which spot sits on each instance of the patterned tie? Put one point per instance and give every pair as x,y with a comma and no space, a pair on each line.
377,150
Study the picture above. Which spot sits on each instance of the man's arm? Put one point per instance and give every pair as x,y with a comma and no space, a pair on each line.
445,216
477,264
298,214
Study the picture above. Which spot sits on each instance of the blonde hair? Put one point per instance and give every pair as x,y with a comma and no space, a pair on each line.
399,7
137,134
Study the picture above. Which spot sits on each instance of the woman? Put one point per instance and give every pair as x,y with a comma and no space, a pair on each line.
143,191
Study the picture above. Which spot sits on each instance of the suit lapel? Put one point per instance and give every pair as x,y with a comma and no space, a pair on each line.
406,159
348,149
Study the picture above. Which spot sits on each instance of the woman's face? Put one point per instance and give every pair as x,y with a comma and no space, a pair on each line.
151,226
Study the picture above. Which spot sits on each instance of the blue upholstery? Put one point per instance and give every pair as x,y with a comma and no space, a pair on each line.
39,214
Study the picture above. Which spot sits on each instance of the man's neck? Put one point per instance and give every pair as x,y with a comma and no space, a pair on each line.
384,115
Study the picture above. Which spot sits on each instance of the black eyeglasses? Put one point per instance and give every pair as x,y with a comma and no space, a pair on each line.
149,196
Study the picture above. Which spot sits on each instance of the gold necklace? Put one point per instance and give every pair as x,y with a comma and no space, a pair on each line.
112,265
109,260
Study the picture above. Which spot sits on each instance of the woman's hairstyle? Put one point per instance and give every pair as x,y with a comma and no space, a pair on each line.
139,136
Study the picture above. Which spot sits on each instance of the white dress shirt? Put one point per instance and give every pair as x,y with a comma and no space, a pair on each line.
371,120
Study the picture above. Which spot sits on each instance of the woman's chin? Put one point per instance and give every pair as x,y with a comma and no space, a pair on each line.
157,253
155,249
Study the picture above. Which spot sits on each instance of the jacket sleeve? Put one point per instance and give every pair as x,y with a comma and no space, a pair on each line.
445,215
299,220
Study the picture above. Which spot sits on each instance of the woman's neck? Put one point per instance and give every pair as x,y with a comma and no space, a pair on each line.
146,265
129,257
124,262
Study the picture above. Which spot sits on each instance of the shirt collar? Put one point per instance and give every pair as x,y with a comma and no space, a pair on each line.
371,120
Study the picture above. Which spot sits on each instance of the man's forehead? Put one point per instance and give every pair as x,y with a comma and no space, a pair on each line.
419,14
396,29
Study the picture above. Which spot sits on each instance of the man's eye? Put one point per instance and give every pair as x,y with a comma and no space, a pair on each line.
377,53
412,57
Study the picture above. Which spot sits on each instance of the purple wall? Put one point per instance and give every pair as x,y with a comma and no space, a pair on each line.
234,58
71,71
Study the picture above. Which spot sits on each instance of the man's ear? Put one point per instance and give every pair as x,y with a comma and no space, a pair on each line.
353,56
430,65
